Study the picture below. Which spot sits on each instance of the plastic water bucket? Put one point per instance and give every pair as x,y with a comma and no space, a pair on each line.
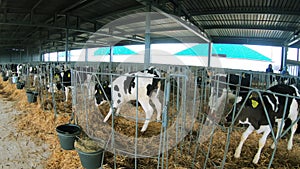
67,134
31,96
20,85
91,160
14,79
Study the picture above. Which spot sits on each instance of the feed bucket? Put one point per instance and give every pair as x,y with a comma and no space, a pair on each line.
90,160
66,134
31,96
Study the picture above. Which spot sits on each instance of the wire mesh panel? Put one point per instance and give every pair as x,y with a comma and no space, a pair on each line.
122,132
192,131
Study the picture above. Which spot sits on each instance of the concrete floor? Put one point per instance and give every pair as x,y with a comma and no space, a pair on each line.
17,151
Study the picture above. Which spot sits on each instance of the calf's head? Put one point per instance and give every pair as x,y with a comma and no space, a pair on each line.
249,113
102,93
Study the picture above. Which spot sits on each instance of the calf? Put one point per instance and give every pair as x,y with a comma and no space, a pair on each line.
132,86
34,70
281,79
19,70
62,81
66,82
224,86
254,115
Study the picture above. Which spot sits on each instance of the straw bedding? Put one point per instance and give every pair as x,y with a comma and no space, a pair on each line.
40,125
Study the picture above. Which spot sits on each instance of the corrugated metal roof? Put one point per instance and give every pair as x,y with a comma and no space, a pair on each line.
40,26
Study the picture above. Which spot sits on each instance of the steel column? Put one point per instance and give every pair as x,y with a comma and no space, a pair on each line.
147,36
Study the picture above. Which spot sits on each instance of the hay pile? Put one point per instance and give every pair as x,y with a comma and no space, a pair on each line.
40,125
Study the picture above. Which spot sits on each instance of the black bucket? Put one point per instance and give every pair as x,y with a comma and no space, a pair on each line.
20,85
31,96
5,78
91,160
67,134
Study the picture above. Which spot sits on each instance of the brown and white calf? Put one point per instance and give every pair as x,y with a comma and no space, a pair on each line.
253,114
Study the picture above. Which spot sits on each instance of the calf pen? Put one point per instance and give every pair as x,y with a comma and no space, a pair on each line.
186,137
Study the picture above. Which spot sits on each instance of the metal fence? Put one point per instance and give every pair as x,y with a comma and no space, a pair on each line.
189,134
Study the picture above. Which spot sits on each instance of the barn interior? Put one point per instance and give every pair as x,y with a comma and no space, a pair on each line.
191,133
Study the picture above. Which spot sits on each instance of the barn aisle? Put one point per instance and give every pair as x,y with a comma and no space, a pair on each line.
18,150
27,133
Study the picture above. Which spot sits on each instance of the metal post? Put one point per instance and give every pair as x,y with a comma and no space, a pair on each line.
298,61
147,36
67,45
111,50
57,56
209,54
284,50
20,56
27,54
86,54
40,53
49,57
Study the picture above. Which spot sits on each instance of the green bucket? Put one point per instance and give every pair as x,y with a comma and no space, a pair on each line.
90,160
67,134
20,85
31,96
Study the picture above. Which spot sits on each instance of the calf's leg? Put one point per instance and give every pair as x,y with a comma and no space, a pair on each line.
245,135
279,121
293,115
157,104
148,110
262,141
66,93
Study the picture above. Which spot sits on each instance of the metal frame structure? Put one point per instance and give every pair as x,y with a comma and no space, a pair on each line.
38,26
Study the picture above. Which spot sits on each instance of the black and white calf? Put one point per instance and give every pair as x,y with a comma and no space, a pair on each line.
66,82
254,115
61,81
142,86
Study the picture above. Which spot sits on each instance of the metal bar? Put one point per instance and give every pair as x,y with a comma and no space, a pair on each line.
147,36
67,46
136,124
165,119
194,30
209,54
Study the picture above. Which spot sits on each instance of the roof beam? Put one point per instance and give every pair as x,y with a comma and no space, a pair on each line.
248,40
236,10
233,26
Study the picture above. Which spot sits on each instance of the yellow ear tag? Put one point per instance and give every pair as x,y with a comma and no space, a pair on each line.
100,91
69,75
254,103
